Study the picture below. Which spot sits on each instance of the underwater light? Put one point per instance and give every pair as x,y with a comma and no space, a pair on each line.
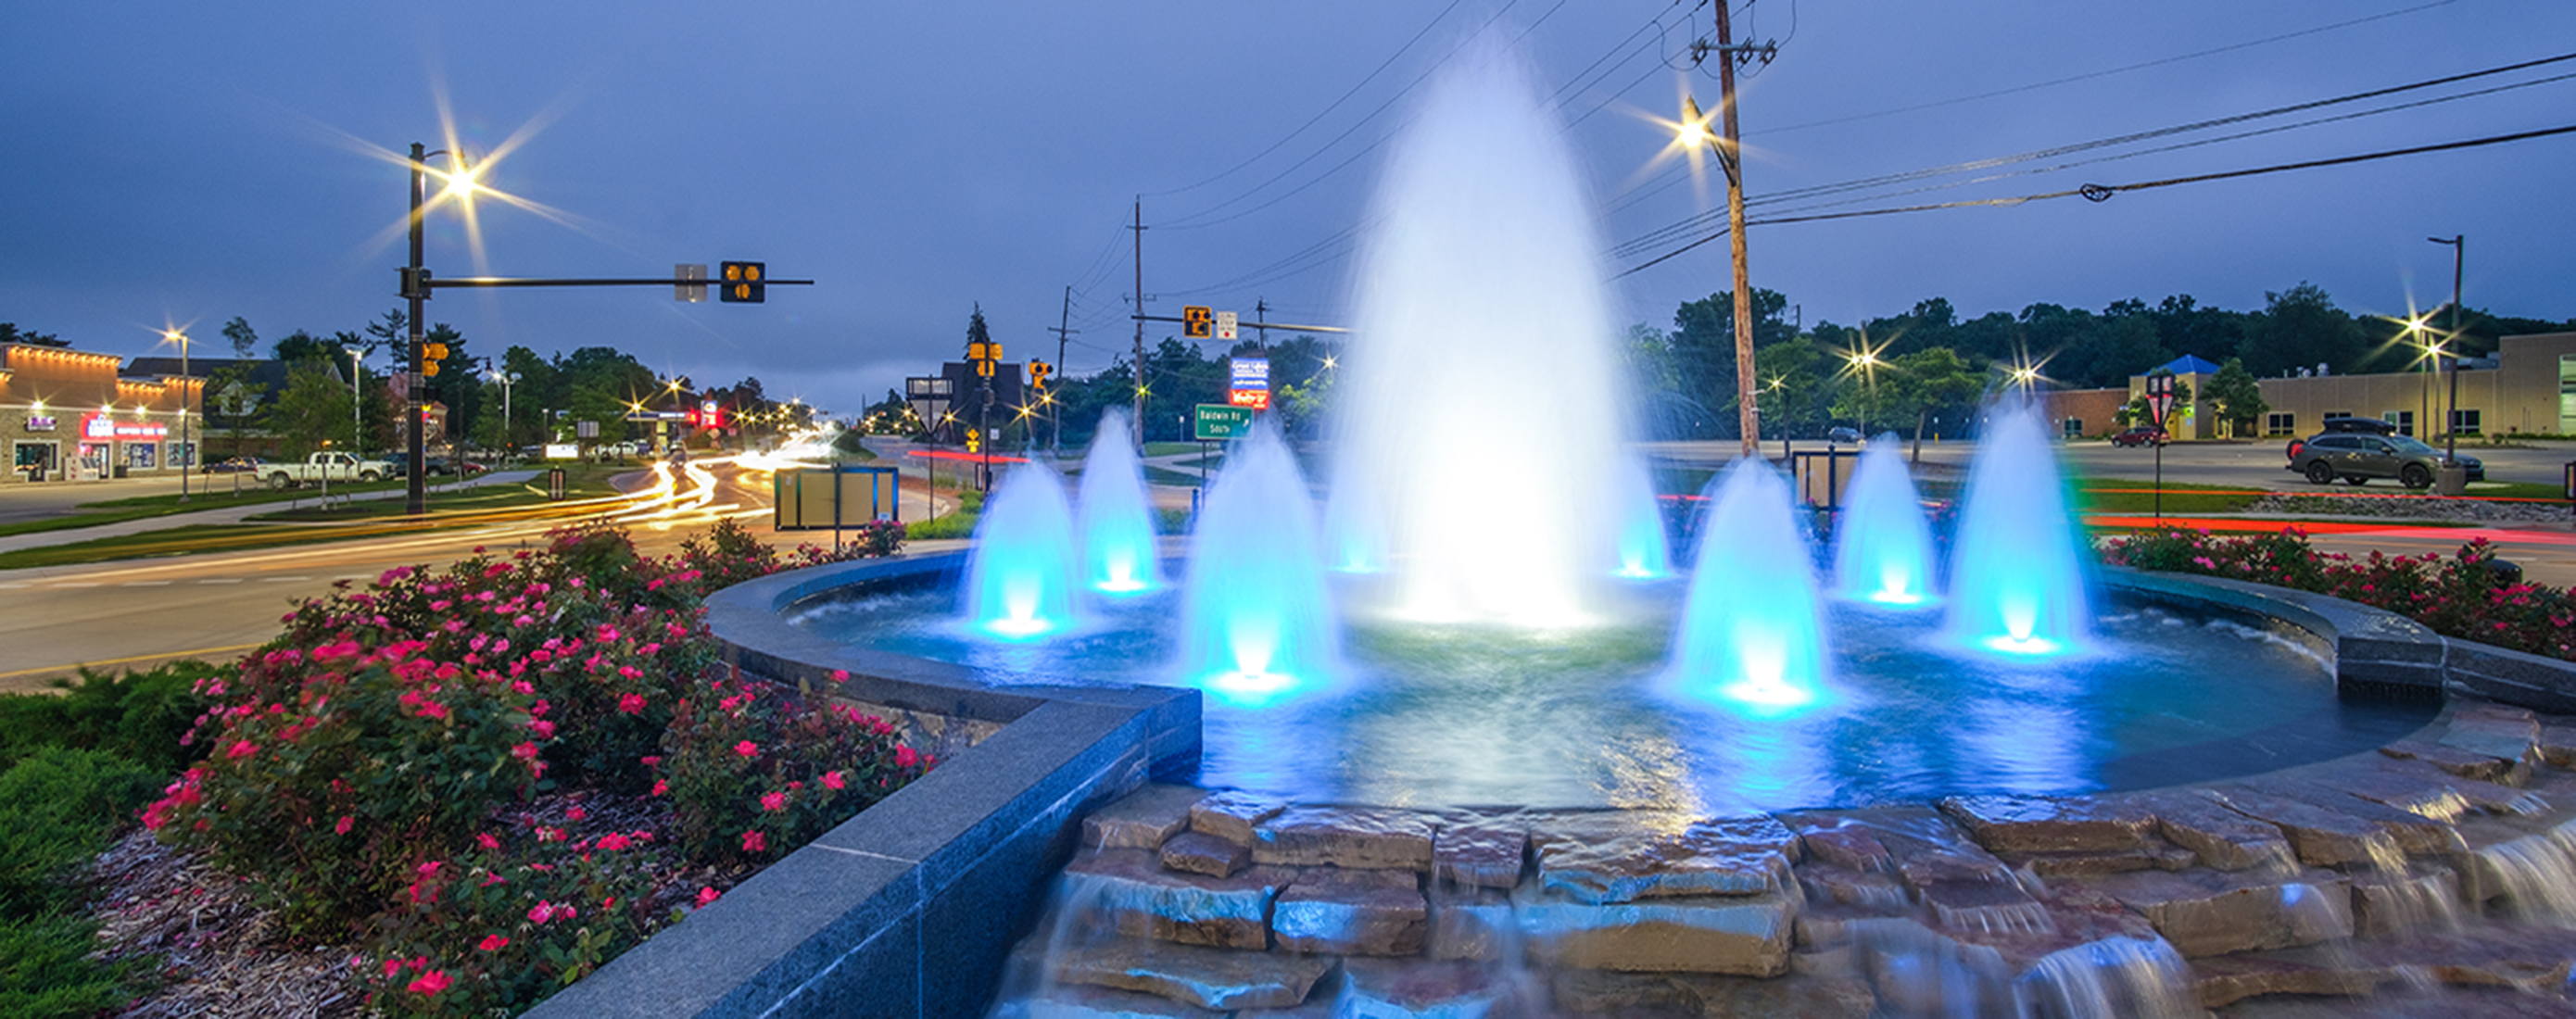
2024,645
1898,596
1248,689
1019,628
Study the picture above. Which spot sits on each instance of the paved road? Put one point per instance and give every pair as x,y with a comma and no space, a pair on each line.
2253,464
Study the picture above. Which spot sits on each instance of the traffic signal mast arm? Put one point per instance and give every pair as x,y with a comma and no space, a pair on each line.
1290,326
431,283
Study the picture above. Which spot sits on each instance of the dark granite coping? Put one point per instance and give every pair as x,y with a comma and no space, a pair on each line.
2369,648
910,908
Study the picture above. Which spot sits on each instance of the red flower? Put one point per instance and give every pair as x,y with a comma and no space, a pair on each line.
342,828
832,780
773,801
486,840
431,982
904,757
707,896
494,943
753,841
246,748
745,748
632,703
840,676
576,814
661,787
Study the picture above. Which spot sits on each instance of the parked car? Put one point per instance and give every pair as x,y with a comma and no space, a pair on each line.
2143,435
325,466
232,465
2358,457
2347,426
1849,435
438,465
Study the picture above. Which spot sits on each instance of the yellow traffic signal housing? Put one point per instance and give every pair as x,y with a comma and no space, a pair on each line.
744,282
430,370
984,368
974,441
433,351
1198,321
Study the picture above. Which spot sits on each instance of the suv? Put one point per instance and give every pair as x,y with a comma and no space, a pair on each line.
2357,458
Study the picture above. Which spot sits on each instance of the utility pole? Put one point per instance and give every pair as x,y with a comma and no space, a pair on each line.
1064,319
1137,420
415,490
1730,155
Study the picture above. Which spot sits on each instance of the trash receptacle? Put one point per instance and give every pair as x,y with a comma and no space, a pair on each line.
120,470
2450,479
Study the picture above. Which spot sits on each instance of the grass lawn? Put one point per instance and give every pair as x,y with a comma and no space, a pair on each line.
2117,495
581,481
216,495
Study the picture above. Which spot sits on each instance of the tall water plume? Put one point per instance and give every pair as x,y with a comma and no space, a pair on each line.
1752,630
1115,524
1883,543
1643,550
1482,388
1020,577
2017,576
1257,623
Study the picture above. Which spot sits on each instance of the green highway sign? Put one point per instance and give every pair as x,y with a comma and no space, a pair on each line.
1216,421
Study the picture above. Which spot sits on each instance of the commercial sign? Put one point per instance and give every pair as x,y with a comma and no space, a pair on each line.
40,422
101,426
1216,422
1250,372
1256,399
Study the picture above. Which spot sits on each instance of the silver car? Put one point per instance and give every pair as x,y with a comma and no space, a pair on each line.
2357,458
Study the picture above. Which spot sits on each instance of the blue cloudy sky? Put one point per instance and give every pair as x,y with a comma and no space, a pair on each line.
187,163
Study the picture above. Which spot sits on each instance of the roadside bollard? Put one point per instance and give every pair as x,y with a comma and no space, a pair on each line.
555,483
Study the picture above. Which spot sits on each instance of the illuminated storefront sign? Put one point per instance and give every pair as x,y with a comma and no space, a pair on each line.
101,426
40,422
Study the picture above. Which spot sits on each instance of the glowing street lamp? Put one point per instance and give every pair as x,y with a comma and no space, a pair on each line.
188,449
460,185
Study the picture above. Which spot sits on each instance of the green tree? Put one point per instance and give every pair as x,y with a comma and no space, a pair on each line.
2301,327
10,333
1702,346
1928,383
245,342
313,409
2234,397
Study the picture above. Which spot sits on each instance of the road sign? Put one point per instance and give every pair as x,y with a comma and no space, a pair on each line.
1215,421
1225,326
694,293
1197,321
2160,397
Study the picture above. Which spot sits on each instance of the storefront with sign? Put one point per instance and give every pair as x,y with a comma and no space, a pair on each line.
70,415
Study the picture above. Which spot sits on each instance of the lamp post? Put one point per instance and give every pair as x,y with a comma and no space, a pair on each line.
2451,431
415,289
357,417
187,448
506,379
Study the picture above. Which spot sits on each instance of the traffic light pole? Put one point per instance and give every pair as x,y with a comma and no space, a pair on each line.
415,486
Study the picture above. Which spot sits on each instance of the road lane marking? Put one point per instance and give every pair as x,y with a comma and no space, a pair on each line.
76,583
282,580
221,580
145,583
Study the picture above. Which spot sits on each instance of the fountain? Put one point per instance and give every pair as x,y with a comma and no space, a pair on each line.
2017,573
1256,621
1547,768
1020,577
1750,630
1487,389
1883,542
1116,527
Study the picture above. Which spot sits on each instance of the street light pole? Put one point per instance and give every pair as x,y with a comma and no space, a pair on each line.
415,493
187,448
2451,431
357,417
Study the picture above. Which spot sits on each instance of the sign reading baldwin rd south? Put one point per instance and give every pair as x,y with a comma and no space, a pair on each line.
1216,422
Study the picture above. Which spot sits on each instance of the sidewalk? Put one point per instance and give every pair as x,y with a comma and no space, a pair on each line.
225,514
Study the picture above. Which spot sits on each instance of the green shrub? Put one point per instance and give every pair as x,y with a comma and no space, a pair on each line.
142,716
58,809
46,972
509,923
957,524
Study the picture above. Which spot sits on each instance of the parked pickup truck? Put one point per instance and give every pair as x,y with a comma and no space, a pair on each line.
324,467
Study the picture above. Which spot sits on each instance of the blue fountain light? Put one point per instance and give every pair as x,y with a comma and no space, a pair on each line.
1020,576
1643,551
1751,631
2017,583
1257,623
1354,529
1119,555
1883,544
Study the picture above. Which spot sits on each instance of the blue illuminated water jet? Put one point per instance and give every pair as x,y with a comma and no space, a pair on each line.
2017,582
1883,543
1114,522
1643,552
1020,576
1354,527
1257,624
1751,631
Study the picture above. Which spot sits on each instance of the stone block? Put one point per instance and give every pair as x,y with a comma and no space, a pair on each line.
2204,912
1131,893
2415,833
2557,744
1206,977
1840,841
1878,891
1480,852
1598,860
2319,837
2464,763
1418,989
1817,997
1472,924
1332,911
1231,815
2223,980
1358,837
1141,819
2222,838
2151,854
2039,824
1198,852
2427,896
1745,935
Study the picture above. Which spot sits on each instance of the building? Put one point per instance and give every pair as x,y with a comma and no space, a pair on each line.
71,415
2527,388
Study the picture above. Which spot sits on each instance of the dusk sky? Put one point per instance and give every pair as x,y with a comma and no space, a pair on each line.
188,163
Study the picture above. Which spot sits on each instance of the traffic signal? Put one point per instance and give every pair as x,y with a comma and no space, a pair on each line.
983,354
974,440
431,353
1039,371
743,282
1197,321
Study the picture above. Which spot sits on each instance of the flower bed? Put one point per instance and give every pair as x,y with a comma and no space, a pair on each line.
2471,595
492,778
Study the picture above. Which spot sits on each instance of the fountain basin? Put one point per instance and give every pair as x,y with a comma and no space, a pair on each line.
895,911
2185,687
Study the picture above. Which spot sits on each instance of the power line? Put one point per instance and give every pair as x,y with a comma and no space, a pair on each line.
1918,107
2103,192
